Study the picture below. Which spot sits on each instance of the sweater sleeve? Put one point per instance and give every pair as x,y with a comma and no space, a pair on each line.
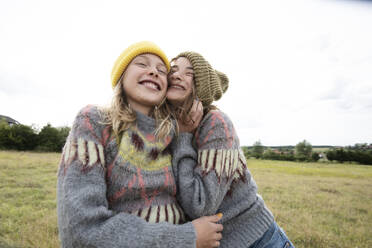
204,177
84,219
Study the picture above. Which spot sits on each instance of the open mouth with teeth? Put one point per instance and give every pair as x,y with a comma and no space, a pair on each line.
177,86
150,84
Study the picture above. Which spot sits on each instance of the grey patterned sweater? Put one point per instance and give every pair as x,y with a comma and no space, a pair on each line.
215,179
118,194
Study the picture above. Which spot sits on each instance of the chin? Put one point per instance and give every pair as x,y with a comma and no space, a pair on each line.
156,103
175,99
175,102
151,102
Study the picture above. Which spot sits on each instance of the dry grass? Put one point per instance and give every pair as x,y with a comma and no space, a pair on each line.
318,205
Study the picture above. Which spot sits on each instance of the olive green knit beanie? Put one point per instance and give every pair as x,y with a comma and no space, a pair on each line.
210,84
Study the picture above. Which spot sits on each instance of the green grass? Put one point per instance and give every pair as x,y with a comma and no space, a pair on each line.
317,204
28,199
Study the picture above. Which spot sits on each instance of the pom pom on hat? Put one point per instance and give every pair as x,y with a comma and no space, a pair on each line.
210,84
130,53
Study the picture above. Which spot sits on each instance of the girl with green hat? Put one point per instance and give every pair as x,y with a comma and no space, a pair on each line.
115,182
213,177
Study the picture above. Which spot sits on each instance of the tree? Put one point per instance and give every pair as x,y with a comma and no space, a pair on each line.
257,150
246,151
52,139
19,137
63,133
22,137
350,154
4,134
315,156
303,151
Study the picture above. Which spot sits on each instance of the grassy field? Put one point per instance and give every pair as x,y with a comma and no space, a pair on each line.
318,205
320,149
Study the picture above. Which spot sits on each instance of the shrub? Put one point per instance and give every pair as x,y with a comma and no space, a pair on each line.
22,137
17,137
278,155
361,156
246,152
51,139
315,156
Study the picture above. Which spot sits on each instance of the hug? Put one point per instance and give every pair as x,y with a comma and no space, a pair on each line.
161,166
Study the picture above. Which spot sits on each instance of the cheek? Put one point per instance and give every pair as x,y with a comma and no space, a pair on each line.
188,93
190,86
127,77
127,85
164,80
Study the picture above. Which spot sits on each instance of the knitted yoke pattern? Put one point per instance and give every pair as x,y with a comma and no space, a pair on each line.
215,179
118,192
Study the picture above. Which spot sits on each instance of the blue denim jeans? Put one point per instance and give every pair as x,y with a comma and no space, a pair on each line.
274,237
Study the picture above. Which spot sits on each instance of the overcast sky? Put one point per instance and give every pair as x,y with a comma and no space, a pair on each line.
298,69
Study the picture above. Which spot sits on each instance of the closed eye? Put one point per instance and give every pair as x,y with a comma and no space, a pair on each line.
173,69
141,64
162,71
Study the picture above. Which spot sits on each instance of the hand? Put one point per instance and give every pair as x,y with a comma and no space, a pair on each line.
195,116
208,232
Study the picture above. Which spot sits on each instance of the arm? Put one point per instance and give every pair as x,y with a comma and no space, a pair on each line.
83,214
205,176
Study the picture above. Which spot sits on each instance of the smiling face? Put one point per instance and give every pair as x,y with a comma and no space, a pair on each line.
180,80
145,82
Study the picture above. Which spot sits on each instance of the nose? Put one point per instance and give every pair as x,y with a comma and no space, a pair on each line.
153,71
175,75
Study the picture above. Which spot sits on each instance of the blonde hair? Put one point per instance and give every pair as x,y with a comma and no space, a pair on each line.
120,116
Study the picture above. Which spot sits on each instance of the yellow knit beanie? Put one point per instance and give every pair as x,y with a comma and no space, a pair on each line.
210,84
130,53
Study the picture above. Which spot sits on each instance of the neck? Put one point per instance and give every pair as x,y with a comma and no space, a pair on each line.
140,108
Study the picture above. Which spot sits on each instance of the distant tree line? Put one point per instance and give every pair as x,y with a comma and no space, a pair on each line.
22,137
361,153
303,151
52,139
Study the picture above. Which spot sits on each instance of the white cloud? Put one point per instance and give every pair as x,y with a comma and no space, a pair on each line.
298,69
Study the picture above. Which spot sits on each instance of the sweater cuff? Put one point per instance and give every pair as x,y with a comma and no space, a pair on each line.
188,234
